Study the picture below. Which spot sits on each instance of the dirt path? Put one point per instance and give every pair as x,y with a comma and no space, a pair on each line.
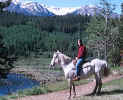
63,95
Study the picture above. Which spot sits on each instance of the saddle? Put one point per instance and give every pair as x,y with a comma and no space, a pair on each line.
75,61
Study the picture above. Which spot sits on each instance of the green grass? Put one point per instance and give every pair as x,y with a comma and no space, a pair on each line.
118,83
3,98
117,68
40,63
33,62
62,85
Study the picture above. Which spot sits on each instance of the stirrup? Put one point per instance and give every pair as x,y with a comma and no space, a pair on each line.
77,78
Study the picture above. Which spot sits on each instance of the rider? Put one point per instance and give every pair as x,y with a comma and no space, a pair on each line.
79,58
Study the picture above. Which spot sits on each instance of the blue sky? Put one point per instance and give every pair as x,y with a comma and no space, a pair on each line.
76,3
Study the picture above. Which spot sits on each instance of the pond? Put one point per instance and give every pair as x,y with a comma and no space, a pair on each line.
16,82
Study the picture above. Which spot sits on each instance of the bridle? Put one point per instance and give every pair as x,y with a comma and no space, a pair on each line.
57,57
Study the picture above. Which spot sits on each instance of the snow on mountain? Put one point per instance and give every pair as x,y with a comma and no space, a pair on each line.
3,0
88,10
38,9
29,8
62,11
16,1
92,10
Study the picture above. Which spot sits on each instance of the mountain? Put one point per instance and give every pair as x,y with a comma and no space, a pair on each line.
29,8
62,11
92,10
88,10
3,0
38,9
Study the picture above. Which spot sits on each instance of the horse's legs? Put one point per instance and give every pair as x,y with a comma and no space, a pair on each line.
70,91
70,85
94,91
74,89
100,86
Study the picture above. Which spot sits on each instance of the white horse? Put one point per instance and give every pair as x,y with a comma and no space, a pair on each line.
96,67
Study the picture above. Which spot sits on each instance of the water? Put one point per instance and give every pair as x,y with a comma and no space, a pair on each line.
16,82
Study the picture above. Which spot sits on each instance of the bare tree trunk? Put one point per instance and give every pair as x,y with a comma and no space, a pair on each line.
98,53
105,50
105,32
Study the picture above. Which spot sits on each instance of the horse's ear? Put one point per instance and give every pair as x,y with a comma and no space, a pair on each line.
58,51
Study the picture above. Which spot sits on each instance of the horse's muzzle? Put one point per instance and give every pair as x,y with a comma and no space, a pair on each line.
50,66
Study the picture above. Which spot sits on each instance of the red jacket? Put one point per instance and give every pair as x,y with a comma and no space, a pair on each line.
81,51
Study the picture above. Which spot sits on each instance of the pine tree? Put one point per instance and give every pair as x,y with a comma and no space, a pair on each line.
121,28
122,8
5,61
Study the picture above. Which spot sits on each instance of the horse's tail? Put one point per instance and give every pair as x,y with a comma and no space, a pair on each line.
106,70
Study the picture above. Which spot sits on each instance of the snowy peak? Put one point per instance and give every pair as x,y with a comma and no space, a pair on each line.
84,10
92,10
62,11
38,9
3,0
16,1
88,10
29,8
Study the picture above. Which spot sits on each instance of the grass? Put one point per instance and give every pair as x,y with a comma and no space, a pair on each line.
62,85
3,98
118,83
39,63
33,62
117,68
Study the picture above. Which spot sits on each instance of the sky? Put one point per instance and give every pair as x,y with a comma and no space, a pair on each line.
78,3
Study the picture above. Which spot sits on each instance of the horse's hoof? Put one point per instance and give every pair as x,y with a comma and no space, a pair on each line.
74,96
91,94
69,97
98,94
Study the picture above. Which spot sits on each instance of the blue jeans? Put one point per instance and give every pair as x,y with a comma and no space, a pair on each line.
78,64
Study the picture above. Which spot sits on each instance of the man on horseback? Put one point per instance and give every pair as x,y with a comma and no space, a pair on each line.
79,59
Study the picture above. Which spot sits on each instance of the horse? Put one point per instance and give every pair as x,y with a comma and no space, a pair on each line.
96,67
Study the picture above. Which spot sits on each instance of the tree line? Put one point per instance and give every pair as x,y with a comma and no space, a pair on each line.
31,34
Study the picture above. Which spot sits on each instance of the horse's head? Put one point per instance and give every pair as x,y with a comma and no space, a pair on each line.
55,60
60,58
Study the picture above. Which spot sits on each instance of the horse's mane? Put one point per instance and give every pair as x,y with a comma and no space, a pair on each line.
66,58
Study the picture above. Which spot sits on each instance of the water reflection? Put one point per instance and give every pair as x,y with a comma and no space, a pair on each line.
15,82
